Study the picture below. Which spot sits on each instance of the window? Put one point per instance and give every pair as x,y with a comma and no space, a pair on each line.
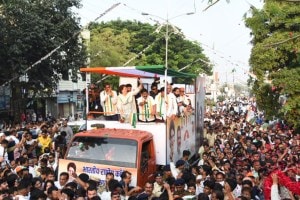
109,151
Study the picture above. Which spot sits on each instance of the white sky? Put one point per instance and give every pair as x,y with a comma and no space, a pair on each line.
220,29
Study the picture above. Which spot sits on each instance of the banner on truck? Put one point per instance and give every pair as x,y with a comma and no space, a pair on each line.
96,172
180,136
200,109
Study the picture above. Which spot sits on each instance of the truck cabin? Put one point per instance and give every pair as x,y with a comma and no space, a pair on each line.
122,148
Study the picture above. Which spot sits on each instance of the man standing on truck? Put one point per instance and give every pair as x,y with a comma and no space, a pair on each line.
147,108
108,99
172,107
160,105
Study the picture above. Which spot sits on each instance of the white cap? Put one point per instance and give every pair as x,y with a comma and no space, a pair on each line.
2,134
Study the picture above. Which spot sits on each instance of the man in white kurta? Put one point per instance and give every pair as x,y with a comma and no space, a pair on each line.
161,105
146,107
108,99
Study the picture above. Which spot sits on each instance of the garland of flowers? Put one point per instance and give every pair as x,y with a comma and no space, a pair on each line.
283,180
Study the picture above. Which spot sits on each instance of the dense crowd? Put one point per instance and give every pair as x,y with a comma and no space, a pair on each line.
240,158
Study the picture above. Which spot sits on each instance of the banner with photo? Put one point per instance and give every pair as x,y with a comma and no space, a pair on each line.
180,136
96,172
200,109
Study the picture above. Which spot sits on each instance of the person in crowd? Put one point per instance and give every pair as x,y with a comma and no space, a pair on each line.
217,195
44,141
125,183
53,193
229,186
104,187
180,189
148,191
23,189
208,187
68,131
30,144
3,153
108,98
179,167
36,183
158,185
3,185
91,193
67,194
63,179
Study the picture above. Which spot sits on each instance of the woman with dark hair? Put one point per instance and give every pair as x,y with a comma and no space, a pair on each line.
203,196
71,168
126,105
217,195
36,184
48,184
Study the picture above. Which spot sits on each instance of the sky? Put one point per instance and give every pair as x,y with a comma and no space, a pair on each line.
219,30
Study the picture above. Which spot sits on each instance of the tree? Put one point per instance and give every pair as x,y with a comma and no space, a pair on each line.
30,31
275,58
125,39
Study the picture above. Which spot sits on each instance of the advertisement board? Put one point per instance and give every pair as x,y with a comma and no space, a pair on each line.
96,172
180,136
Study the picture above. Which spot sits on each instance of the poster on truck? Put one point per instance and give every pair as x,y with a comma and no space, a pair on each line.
180,136
200,109
96,172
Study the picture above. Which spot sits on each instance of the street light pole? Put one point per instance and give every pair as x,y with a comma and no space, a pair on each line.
166,54
167,36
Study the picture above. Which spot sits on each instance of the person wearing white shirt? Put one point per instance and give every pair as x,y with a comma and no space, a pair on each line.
161,105
172,107
147,108
3,153
63,180
53,160
12,137
23,190
108,100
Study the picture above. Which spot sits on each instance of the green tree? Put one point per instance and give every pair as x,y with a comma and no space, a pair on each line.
129,38
30,30
275,58
108,47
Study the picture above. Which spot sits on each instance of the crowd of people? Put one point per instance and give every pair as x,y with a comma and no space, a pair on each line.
239,158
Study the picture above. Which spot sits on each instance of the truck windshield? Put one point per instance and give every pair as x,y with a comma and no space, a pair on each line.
108,151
